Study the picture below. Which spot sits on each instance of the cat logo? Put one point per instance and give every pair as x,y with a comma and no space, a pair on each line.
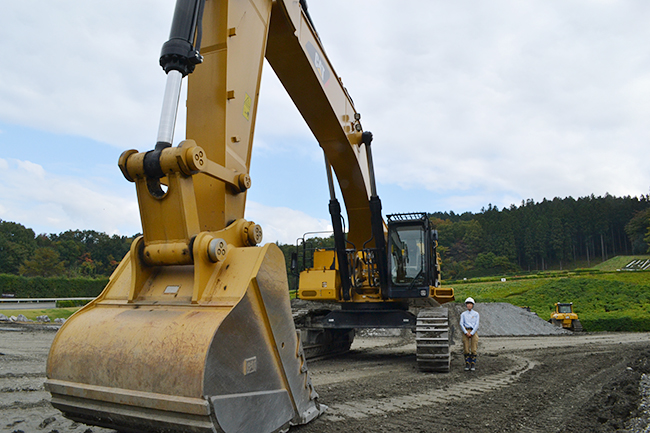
319,63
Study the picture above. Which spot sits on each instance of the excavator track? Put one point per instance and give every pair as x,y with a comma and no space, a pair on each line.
324,343
318,342
432,340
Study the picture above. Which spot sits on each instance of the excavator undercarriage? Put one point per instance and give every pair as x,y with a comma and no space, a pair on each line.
404,294
330,331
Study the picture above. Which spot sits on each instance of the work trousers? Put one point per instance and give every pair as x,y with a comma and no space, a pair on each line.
470,344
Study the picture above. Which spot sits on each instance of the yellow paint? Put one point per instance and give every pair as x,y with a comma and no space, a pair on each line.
319,284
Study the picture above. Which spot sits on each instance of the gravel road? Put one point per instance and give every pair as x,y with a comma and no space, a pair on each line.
564,383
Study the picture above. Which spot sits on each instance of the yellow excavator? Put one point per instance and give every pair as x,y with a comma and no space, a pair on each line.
194,331
394,283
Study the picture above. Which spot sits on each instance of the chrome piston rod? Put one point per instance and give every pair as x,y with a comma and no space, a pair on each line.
170,107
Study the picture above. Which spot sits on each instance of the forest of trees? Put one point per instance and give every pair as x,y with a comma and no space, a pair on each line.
74,253
552,234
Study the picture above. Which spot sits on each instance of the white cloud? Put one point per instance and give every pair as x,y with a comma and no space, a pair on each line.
283,224
85,69
279,117
51,204
505,98
32,169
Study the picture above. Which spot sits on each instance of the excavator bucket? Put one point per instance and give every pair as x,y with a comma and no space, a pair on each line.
157,353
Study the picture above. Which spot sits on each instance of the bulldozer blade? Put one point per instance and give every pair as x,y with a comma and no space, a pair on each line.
168,360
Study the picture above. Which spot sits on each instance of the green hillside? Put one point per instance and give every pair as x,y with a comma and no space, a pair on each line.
618,262
604,301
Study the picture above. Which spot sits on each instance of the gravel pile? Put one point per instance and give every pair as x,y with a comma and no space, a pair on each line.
500,319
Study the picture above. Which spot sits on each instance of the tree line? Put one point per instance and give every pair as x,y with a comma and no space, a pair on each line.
551,234
73,253
535,236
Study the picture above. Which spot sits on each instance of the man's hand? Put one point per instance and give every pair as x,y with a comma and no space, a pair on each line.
469,334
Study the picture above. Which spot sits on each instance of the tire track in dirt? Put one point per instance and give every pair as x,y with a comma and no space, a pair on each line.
553,418
22,391
359,409
573,398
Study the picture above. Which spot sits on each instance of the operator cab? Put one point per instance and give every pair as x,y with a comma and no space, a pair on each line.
564,308
412,257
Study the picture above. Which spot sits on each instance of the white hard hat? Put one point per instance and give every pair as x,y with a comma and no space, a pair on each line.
470,300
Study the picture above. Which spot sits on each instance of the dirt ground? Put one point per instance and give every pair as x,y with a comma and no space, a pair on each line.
572,383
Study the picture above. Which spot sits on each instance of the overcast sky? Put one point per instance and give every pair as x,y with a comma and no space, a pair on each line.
470,102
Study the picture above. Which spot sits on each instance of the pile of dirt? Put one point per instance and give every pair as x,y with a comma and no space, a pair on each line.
500,319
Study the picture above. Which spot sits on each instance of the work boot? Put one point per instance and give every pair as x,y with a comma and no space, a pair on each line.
467,362
472,362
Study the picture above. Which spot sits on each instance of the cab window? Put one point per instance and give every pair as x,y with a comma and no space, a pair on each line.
407,251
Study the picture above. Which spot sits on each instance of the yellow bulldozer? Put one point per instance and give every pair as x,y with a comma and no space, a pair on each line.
565,317
194,331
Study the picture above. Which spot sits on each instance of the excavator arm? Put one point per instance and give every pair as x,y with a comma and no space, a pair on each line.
194,331
297,56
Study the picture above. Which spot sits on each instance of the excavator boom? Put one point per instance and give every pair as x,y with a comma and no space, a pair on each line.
194,332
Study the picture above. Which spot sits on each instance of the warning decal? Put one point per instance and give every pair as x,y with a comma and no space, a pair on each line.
248,102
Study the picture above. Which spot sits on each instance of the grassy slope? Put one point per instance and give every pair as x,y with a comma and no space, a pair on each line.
618,301
618,262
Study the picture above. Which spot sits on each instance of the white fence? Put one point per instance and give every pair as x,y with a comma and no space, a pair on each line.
31,303
637,265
